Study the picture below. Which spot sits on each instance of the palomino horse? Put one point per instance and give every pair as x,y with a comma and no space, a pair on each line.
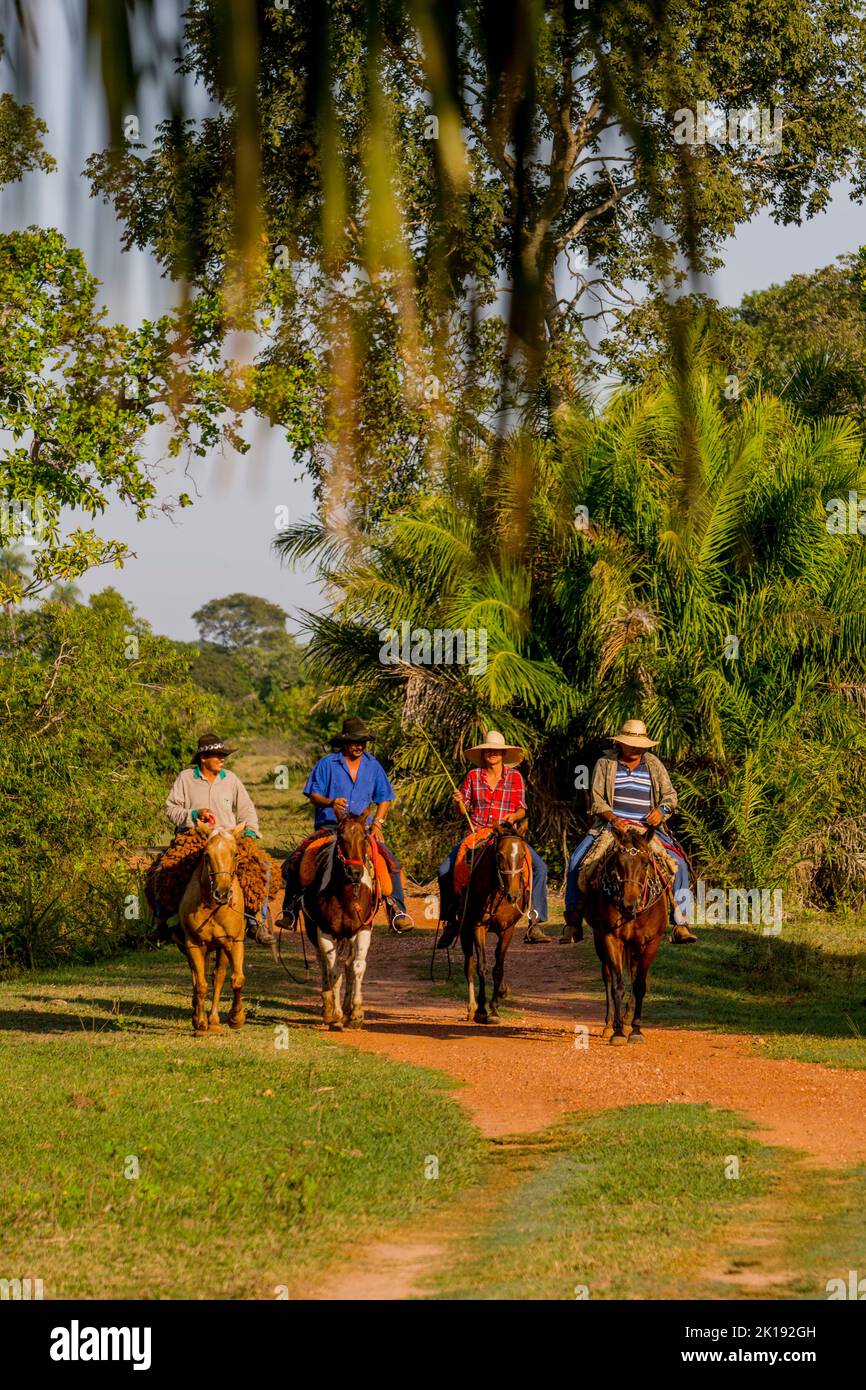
497,897
627,908
212,919
339,907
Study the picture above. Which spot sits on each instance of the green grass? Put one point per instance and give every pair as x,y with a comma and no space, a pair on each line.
256,1163
802,994
631,1203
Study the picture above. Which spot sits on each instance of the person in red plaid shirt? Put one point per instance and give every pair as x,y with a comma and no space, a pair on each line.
492,792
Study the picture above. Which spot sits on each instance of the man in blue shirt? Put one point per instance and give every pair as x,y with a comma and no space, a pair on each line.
345,782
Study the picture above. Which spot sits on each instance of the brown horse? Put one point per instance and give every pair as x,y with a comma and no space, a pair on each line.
627,908
496,899
212,920
339,907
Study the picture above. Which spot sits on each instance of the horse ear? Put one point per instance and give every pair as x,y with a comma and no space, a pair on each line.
203,830
650,832
239,830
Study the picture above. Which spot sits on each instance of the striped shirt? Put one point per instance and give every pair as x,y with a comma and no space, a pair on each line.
633,792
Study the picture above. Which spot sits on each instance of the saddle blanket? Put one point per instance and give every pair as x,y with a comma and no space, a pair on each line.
304,861
597,855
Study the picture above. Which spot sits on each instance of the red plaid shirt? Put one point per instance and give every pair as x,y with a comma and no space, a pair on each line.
487,806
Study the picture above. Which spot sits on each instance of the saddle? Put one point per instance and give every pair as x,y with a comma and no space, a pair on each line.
304,862
471,846
597,856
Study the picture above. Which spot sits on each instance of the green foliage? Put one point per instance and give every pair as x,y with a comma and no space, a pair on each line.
97,715
704,594
414,170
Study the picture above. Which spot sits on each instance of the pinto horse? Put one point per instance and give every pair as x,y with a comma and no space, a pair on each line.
339,906
496,899
627,908
212,919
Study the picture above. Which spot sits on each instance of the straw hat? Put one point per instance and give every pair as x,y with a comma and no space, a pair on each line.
494,742
633,733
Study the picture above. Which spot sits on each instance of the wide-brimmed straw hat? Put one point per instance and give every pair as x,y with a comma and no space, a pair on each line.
210,745
494,742
633,733
354,730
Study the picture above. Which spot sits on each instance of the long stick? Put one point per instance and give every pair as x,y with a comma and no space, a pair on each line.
447,774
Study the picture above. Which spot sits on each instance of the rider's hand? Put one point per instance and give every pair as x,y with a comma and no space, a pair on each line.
204,817
458,800
620,826
340,805
655,817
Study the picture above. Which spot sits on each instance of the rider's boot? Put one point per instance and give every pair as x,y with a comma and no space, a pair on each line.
535,936
573,929
682,934
163,932
398,920
263,933
450,933
289,918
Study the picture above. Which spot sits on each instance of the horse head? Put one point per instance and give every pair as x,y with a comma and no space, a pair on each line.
510,860
221,860
629,871
351,847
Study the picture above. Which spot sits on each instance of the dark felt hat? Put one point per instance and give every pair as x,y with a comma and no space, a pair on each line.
210,745
354,730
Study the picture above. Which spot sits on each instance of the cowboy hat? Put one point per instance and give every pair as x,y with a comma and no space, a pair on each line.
211,746
354,730
494,742
634,735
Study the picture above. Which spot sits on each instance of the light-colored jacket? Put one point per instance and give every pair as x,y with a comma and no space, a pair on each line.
604,782
226,797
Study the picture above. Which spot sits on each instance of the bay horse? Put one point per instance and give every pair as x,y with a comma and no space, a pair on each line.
627,908
339,906
495,900
212,920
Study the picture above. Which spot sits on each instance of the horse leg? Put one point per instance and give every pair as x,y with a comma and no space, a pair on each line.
616,964
498,972
638,992
237,1014
469,972
331,967
608,1000
479,945
219,973
195,955
355,1002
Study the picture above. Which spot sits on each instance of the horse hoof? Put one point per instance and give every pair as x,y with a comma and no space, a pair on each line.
199,1027
214,1025
237,1022
636,1037
482,1018
504,992
336,1026
355,1021
606,1032
617,1039
493,1018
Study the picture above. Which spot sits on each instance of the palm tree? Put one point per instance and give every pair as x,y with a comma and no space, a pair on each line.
667,558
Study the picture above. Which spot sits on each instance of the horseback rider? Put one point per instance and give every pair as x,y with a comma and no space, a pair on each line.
207,793
492,792
630,786
345,782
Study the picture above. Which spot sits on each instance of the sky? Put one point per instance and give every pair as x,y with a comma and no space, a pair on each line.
222,544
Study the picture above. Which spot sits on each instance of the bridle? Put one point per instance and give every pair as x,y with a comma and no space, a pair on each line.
503,893
353,872
614,881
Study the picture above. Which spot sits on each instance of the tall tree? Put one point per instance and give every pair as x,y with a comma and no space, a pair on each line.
423,166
